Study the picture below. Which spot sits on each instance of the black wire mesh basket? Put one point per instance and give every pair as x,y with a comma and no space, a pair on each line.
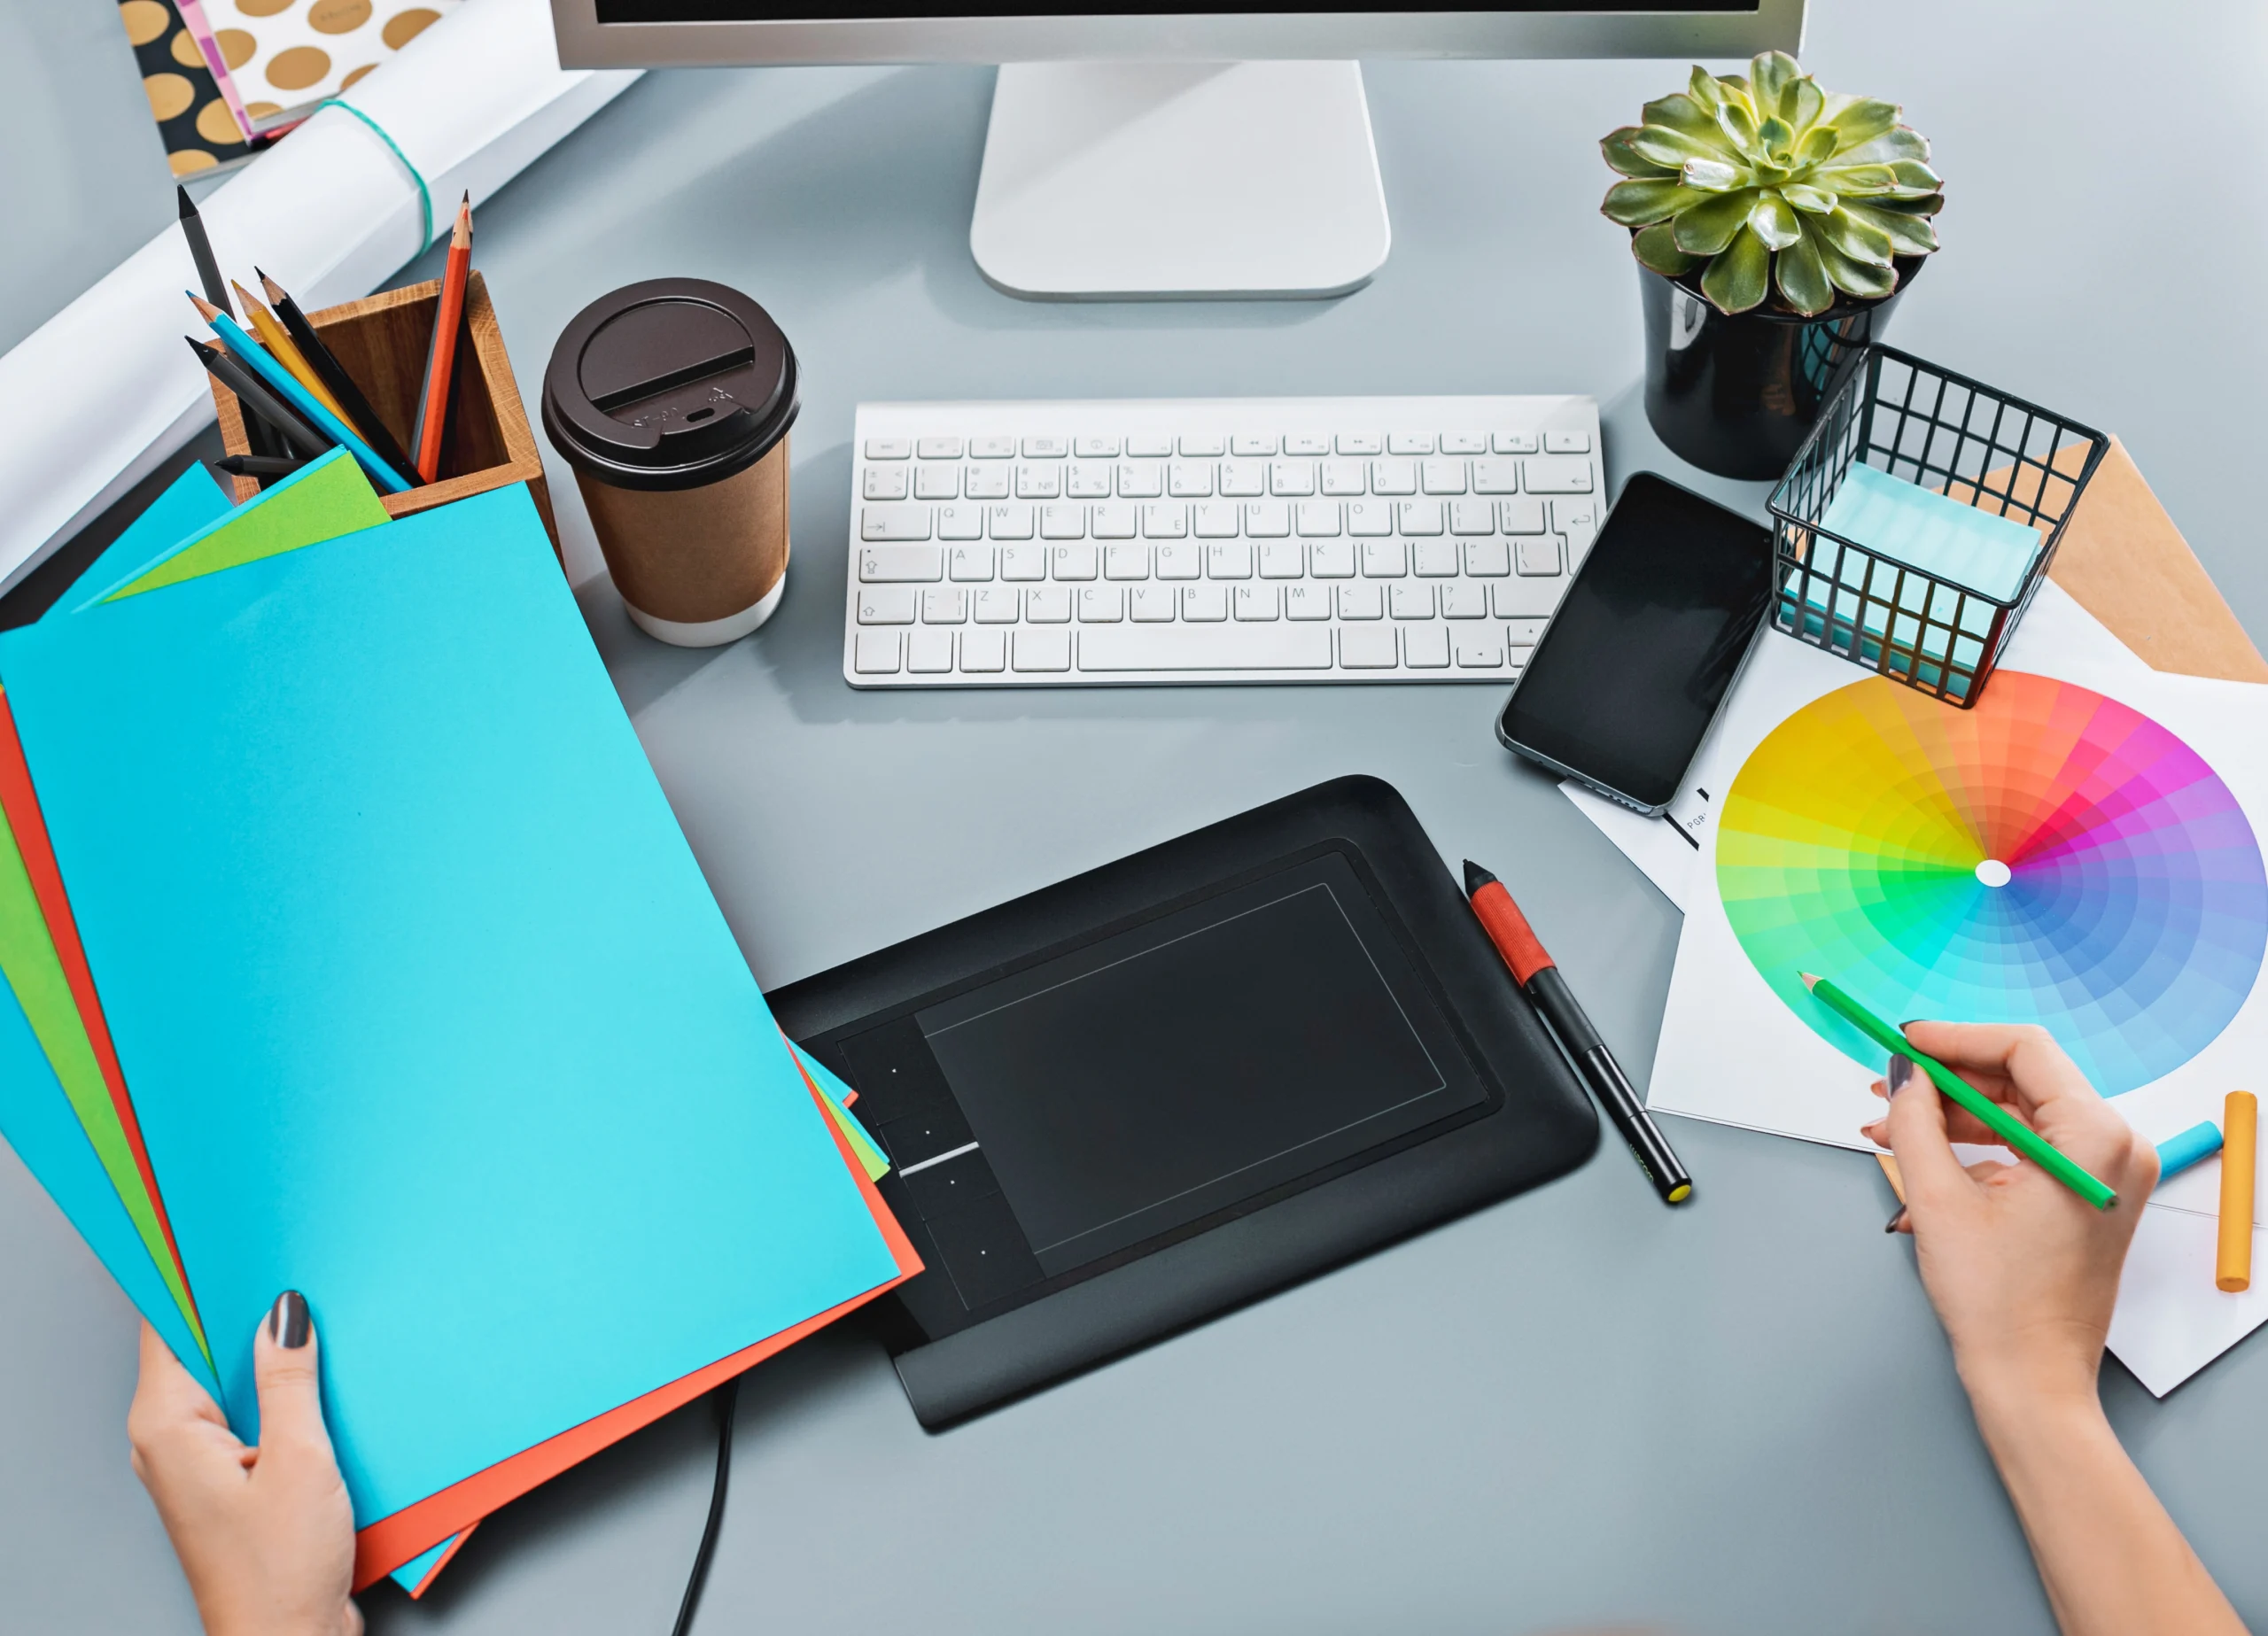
1909,420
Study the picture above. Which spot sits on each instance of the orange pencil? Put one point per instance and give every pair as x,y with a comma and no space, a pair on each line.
433,402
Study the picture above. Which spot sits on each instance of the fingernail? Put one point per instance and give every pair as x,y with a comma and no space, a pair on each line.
287,1321
1896,1220
1901,1069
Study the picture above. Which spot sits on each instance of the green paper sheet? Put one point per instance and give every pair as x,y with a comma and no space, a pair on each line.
322,501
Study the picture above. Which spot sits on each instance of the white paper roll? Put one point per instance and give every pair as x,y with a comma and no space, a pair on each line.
96,397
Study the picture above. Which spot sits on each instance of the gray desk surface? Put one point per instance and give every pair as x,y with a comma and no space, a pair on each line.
1573,1410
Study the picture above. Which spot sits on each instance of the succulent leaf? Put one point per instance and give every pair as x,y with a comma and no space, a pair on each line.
1863,120
1779,139
1739,126
1774,221
1656,248
1815,146
1709,227
1861,180
1703,89
1664,146
1637,203
1678,111
1928,206
1771,74
1916,177
1807,103
1802,277
1717,175
1818,201
1856,278
1856,239
1900,142
1615,145
1740,278
1908,236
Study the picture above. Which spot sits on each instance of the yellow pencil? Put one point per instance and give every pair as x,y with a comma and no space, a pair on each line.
2240,1149
278,341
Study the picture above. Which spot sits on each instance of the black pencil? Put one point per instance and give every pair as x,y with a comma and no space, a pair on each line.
259,465
340,385
256,399
201,251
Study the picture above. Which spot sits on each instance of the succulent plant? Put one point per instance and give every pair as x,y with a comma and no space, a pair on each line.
1766,181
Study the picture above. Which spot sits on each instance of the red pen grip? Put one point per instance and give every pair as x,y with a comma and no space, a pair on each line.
1509,930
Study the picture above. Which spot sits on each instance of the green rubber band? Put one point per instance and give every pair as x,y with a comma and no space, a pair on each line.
424,193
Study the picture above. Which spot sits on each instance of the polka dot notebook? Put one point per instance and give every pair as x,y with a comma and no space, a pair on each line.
189,105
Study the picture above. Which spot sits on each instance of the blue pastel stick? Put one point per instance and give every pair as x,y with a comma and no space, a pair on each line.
2200,1142
280,381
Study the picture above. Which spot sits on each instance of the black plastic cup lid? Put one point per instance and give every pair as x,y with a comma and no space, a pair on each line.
671,384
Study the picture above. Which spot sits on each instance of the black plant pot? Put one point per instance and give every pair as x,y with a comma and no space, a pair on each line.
1737,395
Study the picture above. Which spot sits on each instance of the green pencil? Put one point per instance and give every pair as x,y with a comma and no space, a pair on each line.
2027,1142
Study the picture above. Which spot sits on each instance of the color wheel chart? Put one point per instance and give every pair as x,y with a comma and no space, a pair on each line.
2051,857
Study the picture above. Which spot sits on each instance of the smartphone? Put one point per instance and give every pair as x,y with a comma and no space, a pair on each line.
1634,666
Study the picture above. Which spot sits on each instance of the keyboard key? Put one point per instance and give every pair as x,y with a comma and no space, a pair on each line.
1140,480
889,448
1437,559
1465,443
1345,476
1578,520
1524,516
1166,522
888,564
894,523
886,605
1495,476
1557,475
1219,519
1369,648
1206,446
1318,519
1205,602
1086,480
1525,598
1463,599
1101,604
939,448
1062,522
1361,443
1526,632
987,481
1277,647
1370,518
1008,522
993,448
1479,648
970,563
875,652
928,653
1038,482
1126,562
1306,443
1153,604
1047,605
1073,561
1411,443
995,605
937,482
1425,646
1516,443
1247,445
983,652
1290,476
1045,448
1282,558
943,605
1441,477
1189,479
960,521
1539,556
1241,479
1415,517
1307,602
1409,602
1043,650
887,483
1150,445
1566,443
1185,561
1113,522
1362,601
1258,602
1385,559
1267,519
1393,477
1095,448
1332,559
1487,559
1229,560
1019,563
1471,516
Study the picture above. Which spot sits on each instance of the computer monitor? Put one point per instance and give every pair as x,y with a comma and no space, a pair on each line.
1195,154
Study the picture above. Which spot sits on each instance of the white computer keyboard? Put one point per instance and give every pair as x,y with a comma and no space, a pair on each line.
1288,539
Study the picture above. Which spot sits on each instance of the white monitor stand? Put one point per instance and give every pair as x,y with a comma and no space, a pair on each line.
1112,180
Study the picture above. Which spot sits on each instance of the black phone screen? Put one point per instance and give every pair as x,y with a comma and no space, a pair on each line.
1630,672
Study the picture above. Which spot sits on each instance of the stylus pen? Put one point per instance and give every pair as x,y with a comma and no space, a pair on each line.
1546,990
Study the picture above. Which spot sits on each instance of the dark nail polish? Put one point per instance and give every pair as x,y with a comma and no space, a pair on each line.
1900,1070
1896,1220
287,1321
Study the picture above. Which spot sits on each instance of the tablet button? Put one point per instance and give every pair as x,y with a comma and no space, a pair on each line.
985,1251
918,1137
946,1184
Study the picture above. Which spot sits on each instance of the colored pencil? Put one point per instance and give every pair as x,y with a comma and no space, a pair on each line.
2026,1142
1538,978
257,400
259,466
280,382
201,251
360,412
2240,1154
286,350
441,357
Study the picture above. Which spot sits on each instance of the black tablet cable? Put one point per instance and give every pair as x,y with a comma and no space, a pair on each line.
728,1398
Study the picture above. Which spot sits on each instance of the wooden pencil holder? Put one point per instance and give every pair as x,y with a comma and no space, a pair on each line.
382,342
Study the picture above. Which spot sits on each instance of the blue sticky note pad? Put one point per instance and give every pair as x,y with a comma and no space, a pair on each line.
192,503
427,1009
1945,540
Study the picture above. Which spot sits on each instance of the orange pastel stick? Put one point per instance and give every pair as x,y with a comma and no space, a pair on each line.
2240,1153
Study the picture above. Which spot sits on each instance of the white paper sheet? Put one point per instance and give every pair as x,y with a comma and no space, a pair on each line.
102,391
